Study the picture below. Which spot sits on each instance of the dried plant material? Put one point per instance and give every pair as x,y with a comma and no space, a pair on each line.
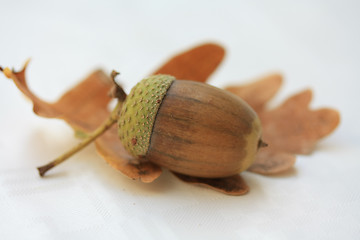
197,64
234,185
292,128
270,161
83,107
258,93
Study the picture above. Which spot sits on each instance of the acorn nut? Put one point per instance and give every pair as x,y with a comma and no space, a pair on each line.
189,127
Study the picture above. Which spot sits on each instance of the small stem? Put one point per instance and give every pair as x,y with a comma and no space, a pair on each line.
261,144
91,137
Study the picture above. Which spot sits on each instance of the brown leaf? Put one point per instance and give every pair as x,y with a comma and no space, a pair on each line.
196,64
270,161
233,185
258,93
292,128
84,107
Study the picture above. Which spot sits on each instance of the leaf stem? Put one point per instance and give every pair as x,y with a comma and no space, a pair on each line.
90,138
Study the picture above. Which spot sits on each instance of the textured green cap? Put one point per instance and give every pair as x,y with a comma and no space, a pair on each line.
139,111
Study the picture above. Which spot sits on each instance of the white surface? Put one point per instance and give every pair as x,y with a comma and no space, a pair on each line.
314,44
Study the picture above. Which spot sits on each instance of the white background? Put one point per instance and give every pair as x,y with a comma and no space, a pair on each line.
315,44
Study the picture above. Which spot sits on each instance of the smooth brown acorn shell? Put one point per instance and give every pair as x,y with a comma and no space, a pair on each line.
203,131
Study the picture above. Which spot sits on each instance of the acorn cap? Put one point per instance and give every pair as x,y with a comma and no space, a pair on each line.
139,111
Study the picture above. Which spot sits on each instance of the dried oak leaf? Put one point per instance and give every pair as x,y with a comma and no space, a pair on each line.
291,128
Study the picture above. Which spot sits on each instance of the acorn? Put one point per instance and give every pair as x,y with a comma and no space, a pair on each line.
188,127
